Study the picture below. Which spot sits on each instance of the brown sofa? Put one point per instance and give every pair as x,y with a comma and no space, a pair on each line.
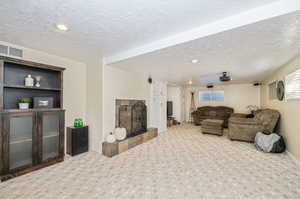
212,112
245,129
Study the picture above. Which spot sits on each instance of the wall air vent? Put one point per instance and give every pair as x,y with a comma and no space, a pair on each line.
16,52
3,49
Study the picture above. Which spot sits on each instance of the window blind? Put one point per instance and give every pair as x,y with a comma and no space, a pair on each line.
206,96
292,85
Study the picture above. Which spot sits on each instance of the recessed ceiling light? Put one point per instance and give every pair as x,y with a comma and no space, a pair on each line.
194,61
190,82
62,27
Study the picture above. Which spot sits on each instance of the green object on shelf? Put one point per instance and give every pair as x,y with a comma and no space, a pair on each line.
78,122
24,100
75,123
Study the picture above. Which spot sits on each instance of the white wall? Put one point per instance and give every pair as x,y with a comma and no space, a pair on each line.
94,103
237,96
158,105
289,110
119,84
174,95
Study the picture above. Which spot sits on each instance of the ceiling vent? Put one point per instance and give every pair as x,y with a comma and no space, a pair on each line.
3,50
16,52
10,51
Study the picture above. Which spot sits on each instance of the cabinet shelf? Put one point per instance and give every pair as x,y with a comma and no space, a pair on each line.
31,110
31,87
20,140
50,136
23,148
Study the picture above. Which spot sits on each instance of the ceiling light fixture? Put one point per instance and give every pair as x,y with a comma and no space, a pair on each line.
190,82
62,27
194,61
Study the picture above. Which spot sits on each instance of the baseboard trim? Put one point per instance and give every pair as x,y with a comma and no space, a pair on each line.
295,160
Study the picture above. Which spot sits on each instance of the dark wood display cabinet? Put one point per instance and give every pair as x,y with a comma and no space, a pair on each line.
30,138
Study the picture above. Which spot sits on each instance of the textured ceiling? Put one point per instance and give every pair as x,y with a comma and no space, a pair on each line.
103,28
249,53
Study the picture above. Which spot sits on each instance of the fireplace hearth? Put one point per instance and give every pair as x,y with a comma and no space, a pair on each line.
132,115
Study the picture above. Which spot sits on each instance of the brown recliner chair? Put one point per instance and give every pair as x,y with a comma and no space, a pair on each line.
212,112
245,129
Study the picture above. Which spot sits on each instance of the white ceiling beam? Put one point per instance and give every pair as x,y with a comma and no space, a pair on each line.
275,9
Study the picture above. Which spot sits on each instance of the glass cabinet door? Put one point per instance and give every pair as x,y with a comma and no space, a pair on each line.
20,140
50,135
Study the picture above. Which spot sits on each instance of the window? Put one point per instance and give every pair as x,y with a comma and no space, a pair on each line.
292,85
206,96
273,90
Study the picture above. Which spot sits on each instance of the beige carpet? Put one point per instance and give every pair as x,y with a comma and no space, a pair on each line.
181,163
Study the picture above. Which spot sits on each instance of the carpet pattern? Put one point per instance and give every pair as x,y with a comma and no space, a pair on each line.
180,163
